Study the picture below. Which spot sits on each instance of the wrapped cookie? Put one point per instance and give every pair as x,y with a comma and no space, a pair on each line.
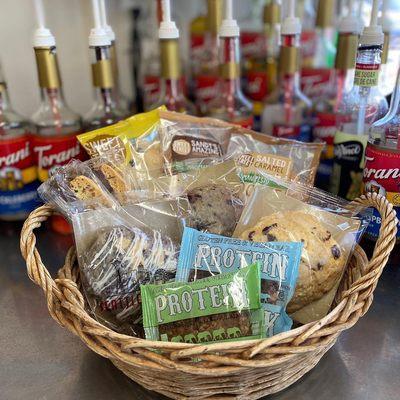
222,307
118,248
215,196
328,230
204,254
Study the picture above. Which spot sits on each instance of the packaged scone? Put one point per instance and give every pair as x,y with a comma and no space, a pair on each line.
204,254
328,227
223,307
118,248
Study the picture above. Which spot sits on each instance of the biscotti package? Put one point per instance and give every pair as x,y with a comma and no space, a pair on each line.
205,254
219,308
119,137
328,231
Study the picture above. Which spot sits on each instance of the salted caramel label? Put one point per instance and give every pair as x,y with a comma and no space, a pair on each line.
254,164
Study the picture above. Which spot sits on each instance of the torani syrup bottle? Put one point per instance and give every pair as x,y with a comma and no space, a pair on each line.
360,108
287,111
18,174
230,105
55,125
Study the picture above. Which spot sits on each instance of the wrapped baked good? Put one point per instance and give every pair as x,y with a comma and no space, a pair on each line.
188,146
222,307
205,254
294,160
118,248
328,227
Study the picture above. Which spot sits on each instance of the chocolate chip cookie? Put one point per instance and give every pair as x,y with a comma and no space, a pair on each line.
214,209
322,259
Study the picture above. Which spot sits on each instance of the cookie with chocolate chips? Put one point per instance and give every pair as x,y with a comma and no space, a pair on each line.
214,209
322,260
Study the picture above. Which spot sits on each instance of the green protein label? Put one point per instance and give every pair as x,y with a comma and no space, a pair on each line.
366,75
221,307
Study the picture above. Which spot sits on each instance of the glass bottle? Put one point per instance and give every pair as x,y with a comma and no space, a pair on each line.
360,107
172,89
382,166
326,108
123,102
318,77
18,177
287,112
261,79
55,124
326,50
105,110
205,69
230,105
308,38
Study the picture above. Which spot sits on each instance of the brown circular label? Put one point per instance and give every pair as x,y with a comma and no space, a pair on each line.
181,147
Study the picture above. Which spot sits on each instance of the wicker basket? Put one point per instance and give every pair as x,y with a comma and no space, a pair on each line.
235,370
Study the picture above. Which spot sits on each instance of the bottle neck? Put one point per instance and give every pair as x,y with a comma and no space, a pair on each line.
289,64
344,65
272,28
229,64
170,59
173,88
4,99
368,62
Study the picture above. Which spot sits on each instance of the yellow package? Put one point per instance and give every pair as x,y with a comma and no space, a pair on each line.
117,138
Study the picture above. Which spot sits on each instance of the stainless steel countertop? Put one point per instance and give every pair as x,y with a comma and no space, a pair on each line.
39,360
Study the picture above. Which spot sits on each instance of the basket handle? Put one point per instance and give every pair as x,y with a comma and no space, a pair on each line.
38,273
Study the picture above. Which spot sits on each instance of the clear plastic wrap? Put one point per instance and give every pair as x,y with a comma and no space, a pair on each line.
242,141
215,196
296,160
118,248
187,146
327,226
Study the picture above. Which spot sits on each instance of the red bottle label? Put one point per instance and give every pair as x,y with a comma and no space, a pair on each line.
253,45
382,172
197,46
325,127
308,45
18,176
284,131
245,123
53,151
316,82
298,132
206,88
382,175
256,85
151,89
